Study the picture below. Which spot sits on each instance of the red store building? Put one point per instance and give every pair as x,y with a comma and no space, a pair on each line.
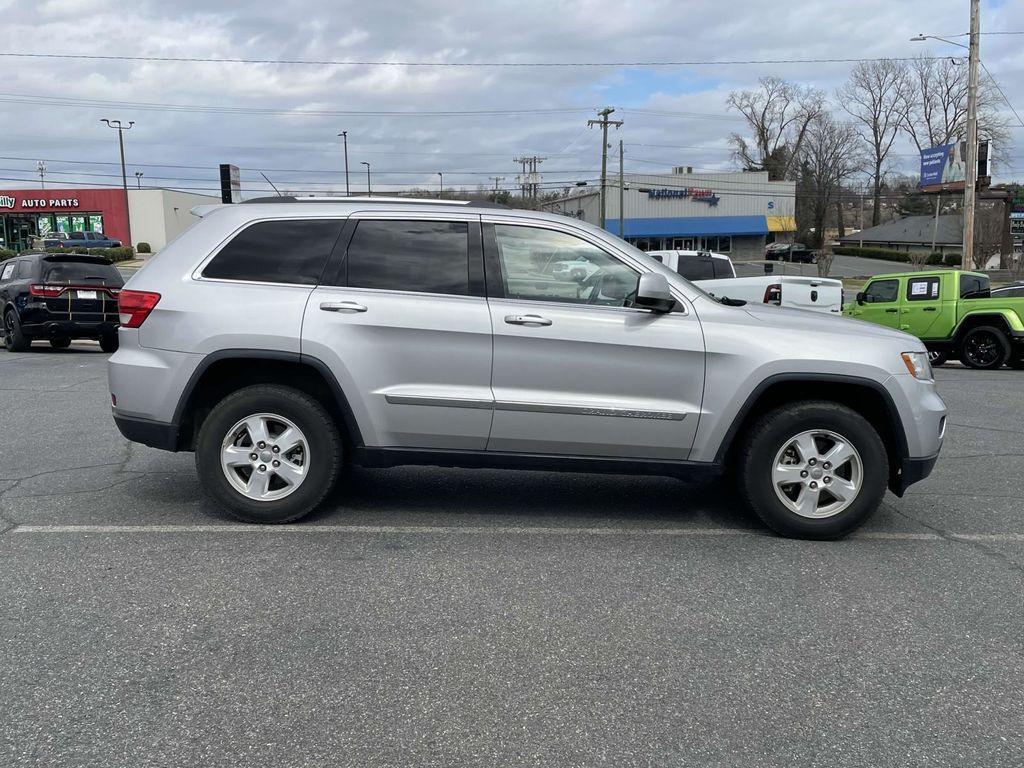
25,213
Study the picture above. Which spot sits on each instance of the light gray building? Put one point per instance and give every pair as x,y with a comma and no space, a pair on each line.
913,234
734,213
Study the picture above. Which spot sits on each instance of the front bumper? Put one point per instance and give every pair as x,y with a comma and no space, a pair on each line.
912,471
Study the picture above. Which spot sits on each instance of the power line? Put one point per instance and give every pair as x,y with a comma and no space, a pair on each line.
431,64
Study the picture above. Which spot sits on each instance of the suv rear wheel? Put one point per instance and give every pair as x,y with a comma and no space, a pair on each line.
268,453
815,470
14,339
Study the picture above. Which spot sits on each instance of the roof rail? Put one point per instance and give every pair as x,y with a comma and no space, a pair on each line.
363,200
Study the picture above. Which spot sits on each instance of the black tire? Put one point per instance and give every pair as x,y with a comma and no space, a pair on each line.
61,343
937,358
325,452
984,348
14,339
108,342
772,432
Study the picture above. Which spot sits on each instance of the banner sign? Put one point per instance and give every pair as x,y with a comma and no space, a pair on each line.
944,168
230,184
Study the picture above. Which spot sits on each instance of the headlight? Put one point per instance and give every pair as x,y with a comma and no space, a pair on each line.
918,365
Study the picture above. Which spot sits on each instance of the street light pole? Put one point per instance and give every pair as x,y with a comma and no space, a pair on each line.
440,175
368,192
344,138
138,178
121,128
971,175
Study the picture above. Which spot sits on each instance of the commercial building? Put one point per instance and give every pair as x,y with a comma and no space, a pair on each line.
156,215
734,213
913,234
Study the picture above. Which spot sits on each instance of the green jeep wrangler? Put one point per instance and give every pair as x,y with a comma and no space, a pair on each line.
951,311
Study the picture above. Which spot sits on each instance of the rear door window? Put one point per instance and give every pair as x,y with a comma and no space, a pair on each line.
285,251
417,256
923,289
974,287
8,270
882,291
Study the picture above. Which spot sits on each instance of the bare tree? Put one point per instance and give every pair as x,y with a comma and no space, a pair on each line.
988,233
778,114
875,96
830,155
934,110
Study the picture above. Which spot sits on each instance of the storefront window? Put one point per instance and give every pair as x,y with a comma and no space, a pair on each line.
77,222
44,224
725,244
63,223
95,222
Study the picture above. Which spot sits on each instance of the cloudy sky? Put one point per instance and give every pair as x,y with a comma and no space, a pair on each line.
284,119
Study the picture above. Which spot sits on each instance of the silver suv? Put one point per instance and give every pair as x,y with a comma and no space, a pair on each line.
282,338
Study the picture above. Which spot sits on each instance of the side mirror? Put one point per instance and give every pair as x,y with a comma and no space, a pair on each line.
652,292
862,298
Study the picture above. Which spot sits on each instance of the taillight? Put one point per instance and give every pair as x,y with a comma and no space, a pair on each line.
134,307
773,294
46,291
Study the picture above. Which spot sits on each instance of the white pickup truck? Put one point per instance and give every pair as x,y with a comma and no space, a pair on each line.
715,273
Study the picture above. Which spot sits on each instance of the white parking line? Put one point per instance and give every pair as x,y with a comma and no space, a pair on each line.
518,530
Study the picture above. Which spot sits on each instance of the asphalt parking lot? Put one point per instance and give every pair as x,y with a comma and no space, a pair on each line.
451,617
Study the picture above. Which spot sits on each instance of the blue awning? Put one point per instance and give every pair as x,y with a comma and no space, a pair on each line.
691,225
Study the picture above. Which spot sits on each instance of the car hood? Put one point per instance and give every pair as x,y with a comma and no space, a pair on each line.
807,320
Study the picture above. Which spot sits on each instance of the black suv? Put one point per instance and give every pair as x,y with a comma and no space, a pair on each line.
59,297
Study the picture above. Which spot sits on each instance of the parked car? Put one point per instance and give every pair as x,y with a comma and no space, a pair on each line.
715,273
59,297
953,312
284,337
50,240
1011,291
795,252
90,240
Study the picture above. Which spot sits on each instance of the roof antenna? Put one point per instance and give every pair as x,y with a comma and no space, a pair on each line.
271,183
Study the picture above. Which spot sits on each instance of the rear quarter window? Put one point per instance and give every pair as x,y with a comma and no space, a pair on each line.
286,251
974,287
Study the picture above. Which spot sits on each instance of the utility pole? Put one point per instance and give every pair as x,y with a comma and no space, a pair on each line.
529,184
496,180
440,175
971,175
604,122
121,128
622,194
344,139
41,167
368,192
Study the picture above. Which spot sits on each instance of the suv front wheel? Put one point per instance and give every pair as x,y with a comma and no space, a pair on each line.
268,453
815,470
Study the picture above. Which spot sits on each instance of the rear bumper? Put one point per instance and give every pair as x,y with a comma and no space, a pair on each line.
155,434
76,329
912,471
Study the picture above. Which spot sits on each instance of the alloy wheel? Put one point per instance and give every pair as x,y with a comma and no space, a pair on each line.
817,473
982,348
265,457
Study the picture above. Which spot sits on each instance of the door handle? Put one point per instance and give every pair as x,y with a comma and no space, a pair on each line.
890,311
526,320
929,309
341,306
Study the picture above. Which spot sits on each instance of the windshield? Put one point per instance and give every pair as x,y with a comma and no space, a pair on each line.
81,272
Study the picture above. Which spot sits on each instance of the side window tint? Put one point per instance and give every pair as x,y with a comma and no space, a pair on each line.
24,270
420,256
544,265
974,287
293,251
923,289
7,272
882,291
